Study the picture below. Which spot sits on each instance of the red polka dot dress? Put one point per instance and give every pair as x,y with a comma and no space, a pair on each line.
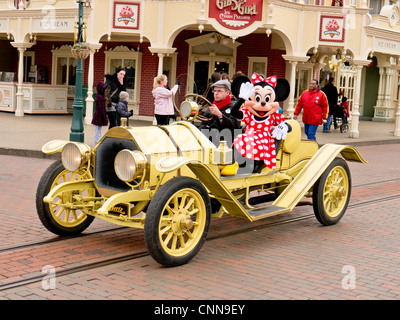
256,143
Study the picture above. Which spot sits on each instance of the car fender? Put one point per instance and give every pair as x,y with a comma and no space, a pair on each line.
311,172
168,164
57,145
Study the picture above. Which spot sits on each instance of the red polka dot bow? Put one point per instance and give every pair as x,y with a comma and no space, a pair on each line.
256,78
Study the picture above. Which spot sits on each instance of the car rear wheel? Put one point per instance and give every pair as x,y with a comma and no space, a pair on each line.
331,193
177,221
58,217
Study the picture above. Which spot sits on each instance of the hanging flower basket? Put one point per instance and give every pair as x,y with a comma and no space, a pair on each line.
80,51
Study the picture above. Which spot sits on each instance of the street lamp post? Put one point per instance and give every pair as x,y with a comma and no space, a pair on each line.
80,51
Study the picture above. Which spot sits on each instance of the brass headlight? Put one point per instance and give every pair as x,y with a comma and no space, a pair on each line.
188,108
74,155
129,165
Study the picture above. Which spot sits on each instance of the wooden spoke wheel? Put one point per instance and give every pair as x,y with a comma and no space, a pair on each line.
63,216
331,193
177,221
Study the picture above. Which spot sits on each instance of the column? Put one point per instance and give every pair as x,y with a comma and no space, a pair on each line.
397,120
389,87
21,47
160,63
19,111
290,109
379,101
89,100
355,115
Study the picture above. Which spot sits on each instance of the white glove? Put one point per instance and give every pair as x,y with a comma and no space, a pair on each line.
246,90
280,132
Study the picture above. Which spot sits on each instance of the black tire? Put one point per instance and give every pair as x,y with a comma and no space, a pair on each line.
60,225
174,235
331,193
344,127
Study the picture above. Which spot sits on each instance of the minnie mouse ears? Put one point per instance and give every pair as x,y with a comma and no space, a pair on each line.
281,85
235,86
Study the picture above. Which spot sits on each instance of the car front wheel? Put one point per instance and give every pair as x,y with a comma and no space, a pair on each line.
177,221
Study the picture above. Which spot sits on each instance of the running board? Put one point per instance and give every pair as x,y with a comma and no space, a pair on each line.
266,211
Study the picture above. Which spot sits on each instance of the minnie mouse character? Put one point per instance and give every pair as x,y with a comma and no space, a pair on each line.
257,107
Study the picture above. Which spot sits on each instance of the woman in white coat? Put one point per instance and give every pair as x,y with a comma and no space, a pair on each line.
163,106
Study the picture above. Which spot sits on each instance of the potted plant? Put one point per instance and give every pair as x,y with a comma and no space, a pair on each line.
80,50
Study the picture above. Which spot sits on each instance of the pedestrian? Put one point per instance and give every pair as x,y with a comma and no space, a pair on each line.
122,108
216,76
332,95
341,111
100,115
117,83
315,108
163,105
224,76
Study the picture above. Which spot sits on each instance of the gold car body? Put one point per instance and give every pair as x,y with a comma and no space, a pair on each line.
180,149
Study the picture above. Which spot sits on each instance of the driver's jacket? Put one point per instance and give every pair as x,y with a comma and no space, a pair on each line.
225,128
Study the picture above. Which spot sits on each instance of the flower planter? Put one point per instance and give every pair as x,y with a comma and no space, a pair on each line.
80,52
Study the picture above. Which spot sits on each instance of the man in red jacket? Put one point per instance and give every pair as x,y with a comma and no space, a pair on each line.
315,109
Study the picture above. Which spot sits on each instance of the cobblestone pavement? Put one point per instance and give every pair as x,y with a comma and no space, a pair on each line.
356,259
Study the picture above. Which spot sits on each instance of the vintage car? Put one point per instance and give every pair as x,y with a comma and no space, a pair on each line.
166,180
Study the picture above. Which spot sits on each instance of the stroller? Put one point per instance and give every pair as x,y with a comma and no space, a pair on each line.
340,114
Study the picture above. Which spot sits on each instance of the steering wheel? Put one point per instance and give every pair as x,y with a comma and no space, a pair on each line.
199,113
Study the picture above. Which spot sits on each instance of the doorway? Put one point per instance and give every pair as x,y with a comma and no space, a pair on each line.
209,53
202,73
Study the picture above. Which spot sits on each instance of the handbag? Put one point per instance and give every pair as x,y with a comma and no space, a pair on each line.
113,105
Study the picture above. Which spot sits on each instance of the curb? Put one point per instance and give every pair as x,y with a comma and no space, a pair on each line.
28,153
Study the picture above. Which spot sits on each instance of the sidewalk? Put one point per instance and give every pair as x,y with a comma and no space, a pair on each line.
25,136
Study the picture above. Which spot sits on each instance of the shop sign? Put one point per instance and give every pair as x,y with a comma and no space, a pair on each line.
126,15
53,24
3,25
236,14
386,46
332,29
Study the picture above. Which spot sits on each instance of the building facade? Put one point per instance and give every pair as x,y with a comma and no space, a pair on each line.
355,41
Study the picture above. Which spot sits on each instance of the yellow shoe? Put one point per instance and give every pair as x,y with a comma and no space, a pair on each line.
230,170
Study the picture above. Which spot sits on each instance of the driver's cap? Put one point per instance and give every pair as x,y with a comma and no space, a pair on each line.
222,84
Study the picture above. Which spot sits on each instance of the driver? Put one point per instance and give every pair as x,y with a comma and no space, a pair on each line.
222,126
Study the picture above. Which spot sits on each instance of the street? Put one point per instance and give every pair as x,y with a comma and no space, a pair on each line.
289,256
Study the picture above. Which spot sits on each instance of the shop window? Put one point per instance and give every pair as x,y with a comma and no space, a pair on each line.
25,3
29,61
303,79
64,66
66,71
130,60
258,64
376,6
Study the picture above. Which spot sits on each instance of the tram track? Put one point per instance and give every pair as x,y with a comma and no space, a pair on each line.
141,254
53,240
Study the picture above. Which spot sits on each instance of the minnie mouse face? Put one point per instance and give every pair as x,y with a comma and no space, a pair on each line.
266,94
262,103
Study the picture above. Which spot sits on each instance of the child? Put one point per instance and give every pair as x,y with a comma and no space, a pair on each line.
342,111
163,105
100,114
122,108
